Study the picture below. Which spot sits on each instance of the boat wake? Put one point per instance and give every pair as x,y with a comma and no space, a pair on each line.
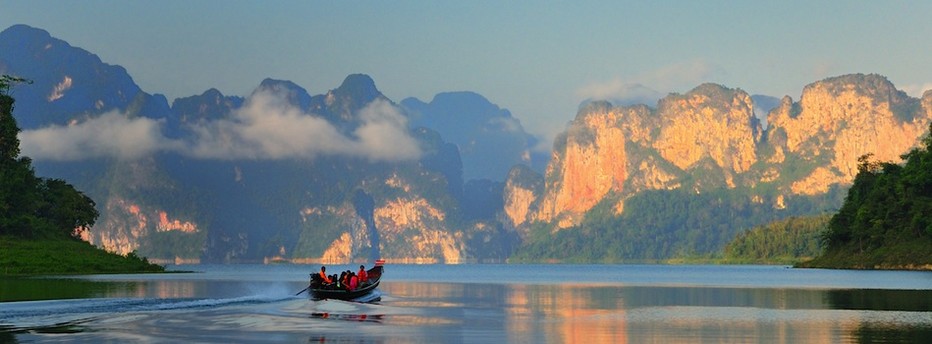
18,316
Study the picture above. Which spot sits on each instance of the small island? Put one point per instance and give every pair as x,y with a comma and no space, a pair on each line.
41,220
885,221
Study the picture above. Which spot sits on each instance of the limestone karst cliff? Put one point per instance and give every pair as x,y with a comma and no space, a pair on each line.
614,152
709,139
634,163
521,190
839,119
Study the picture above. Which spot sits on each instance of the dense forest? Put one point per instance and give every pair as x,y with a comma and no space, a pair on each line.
782,242
884,221
660,225
41,220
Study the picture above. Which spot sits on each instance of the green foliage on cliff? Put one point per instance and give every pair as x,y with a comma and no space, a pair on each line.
662,224
41,219
781,242
884,222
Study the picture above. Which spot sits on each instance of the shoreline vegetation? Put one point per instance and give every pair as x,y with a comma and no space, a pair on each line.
41,220
884,222
65,256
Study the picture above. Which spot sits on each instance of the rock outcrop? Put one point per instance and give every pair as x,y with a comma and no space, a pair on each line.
522,187
839,119
709,138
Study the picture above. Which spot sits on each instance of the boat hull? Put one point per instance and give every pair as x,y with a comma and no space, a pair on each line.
320,292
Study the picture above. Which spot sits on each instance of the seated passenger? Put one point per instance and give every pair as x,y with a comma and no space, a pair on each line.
323,275
362,275
353,282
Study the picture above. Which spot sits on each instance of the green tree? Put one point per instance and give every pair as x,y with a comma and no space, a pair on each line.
68,209
884,220
30,205
9,143
17,179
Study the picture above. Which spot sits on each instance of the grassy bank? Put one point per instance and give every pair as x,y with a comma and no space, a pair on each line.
910,255
64,256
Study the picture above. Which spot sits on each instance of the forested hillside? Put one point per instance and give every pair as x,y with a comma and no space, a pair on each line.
884,222
662,224
781,242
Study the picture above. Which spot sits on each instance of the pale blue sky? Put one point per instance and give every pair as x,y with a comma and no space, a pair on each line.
538,59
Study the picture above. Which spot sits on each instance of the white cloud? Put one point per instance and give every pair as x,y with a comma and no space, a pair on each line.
384,134
110,135
650,86
266,127
509,125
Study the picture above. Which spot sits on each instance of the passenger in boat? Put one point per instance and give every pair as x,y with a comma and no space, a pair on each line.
353,281
323,275
343,279
362,275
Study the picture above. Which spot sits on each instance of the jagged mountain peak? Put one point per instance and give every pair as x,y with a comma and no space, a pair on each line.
708,95
359,87
711,88
294,94
210,105
867,84
593,107
25,31
489,138
468,102
340,105
69,83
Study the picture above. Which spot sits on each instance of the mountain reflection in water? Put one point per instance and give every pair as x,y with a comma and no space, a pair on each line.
474,304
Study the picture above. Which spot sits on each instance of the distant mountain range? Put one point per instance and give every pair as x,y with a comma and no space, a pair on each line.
282,175
268,176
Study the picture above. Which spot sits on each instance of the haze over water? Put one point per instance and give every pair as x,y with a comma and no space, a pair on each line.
477,303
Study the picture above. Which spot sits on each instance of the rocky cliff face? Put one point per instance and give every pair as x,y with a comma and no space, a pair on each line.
839,119
709,138
590,165
522,187
712,122
133,223
408,229
610,153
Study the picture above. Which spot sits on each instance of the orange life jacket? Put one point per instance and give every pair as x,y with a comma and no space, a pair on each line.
363,276
324,277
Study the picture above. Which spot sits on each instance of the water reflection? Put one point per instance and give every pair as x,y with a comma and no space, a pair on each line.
880,299
34,289
30,289
209,308
619,314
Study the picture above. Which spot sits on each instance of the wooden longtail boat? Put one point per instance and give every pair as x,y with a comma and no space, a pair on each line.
320,291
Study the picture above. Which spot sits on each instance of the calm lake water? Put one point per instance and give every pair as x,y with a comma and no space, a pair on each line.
477,304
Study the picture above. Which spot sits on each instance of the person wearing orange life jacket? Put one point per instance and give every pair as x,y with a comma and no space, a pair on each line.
353,281
323,275
362,275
